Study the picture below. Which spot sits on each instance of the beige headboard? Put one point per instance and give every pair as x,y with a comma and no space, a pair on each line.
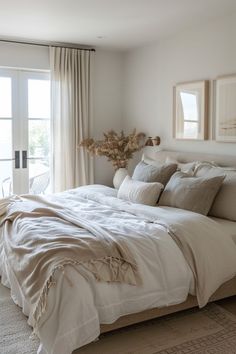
221,160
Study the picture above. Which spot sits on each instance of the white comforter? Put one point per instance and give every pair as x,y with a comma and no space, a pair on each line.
76,306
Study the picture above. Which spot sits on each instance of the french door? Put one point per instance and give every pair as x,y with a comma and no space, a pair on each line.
24,132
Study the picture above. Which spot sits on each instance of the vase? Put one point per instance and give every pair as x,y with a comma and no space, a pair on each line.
119,176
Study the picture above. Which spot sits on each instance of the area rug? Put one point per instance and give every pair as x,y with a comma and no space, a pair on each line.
14,331
211,330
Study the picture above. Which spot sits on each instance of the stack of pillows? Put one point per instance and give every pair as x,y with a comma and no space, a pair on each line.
200,187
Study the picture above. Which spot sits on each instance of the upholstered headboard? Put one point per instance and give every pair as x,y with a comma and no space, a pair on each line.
221,160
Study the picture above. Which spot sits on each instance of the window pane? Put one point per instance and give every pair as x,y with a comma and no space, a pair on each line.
191,130
39,150
39,139
39,177
5,178
5,97
5,139
189,104
38,98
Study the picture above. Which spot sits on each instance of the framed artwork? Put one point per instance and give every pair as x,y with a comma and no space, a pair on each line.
226,108
190,118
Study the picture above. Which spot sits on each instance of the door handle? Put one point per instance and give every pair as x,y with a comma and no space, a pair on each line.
24,159
17,159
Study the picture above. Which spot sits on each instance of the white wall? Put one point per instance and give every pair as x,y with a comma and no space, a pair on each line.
151,72
107,95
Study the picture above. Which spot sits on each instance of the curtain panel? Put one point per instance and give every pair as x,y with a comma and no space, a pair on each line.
71,102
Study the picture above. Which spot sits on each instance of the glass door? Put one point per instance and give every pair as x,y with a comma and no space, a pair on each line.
24,132
9,140
36,132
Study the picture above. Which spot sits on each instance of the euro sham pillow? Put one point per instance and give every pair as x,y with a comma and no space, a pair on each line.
191,193
159,173
140,192
224,205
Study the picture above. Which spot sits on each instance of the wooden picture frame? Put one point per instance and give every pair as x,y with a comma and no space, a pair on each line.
190,116
225,109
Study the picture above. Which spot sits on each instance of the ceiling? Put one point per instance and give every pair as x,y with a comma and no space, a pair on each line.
116,24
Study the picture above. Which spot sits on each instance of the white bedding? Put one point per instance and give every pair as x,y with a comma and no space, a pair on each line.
77,307
228,226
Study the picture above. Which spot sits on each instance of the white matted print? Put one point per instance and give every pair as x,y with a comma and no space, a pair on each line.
226,109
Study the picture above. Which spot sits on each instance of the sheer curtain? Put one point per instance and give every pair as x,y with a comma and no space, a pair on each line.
71,116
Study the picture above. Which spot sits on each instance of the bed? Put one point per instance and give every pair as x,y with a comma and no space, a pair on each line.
75,307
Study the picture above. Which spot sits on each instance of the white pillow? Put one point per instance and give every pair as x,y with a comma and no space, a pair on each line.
187,167
140,192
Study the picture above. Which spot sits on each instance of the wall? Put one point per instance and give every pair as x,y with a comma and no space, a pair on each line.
107,95
151,72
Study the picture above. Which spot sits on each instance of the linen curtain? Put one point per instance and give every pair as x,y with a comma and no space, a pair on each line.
71,77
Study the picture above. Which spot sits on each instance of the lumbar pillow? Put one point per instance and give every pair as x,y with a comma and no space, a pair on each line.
224,205
191,193
159,173
140,192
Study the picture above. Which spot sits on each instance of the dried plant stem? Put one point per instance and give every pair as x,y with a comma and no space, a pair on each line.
118,148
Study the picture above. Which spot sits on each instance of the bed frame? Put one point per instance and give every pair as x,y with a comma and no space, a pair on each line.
226,290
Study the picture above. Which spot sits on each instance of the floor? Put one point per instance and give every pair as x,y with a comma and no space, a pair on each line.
228,304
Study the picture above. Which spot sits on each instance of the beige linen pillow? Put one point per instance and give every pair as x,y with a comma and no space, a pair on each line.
224,205
191,193
161,172
140,192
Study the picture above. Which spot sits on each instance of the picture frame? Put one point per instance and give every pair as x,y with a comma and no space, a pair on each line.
225,109
190,110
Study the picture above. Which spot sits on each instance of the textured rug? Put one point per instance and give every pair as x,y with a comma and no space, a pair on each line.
14,330
211,330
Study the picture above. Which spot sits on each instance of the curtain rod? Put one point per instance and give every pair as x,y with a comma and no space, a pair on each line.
48,44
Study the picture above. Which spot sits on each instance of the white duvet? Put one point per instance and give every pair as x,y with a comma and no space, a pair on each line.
78,305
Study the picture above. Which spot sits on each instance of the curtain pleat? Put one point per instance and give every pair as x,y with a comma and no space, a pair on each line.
71,77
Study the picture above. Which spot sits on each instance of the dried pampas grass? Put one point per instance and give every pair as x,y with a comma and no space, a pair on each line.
118,148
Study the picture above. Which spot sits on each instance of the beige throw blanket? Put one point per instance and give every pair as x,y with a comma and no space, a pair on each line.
42,237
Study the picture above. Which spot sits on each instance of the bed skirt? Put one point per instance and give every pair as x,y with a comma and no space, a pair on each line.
226,290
